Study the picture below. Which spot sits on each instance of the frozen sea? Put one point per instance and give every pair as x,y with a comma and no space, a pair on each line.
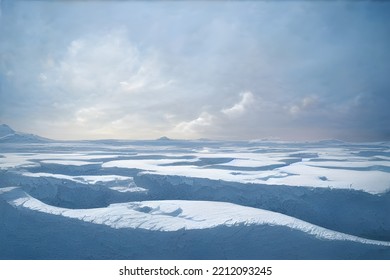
174,199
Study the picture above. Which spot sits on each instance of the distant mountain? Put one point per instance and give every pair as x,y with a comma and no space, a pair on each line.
331,141
164,138
204,139
5,130
8,135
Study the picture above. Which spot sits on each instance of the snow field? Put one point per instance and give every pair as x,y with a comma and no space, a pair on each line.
326,195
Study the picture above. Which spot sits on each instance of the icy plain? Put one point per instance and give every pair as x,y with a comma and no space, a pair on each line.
172,199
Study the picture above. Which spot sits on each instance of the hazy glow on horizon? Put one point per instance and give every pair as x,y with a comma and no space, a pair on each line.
292,70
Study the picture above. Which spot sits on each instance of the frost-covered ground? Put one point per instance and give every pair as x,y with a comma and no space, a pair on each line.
169,199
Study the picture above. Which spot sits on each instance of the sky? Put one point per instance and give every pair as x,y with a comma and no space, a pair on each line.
237,70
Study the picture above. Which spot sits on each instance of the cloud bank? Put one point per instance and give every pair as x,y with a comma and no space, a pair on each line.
226,70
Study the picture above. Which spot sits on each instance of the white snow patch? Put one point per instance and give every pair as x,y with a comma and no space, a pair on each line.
249,162
308,175
124,189
70,162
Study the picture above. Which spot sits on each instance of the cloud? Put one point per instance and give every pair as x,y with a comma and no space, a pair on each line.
103,65
215,121
133,70
306,104
85,116
100,78
239,108
194,128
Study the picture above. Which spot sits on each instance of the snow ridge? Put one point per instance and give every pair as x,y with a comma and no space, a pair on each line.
173,215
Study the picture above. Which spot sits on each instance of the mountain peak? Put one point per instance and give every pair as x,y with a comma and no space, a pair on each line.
164,138
5,130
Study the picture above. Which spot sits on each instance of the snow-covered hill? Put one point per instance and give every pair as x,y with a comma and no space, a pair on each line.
8,135
5,130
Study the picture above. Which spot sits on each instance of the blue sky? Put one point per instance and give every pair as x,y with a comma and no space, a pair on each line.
291,70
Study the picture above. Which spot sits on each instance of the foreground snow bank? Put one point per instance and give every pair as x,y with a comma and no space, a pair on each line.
162,221
173,215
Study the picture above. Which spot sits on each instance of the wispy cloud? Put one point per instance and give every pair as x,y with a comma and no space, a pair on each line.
239,108
194,128
306,104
